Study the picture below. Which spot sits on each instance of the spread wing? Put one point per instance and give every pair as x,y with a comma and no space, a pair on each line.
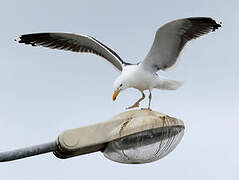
75,43
172,37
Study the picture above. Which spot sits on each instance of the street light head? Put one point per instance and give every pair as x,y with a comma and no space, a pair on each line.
136,136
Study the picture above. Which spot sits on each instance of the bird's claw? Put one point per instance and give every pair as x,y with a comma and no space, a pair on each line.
148,109
133,106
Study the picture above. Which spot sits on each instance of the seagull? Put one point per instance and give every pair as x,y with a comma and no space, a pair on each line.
169,41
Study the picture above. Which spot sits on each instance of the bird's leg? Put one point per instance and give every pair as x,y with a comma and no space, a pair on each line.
150,98
137,102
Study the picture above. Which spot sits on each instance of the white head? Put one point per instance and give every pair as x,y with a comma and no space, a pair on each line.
120,84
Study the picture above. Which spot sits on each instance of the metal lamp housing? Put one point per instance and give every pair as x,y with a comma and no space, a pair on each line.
133,137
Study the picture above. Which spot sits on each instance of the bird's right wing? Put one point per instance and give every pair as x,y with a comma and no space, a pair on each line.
75,43
172,37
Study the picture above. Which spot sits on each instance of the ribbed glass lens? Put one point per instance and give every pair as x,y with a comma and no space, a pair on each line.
146,146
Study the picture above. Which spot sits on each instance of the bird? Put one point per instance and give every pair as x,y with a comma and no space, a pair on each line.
169,41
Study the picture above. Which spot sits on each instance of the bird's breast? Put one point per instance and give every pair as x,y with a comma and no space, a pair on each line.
142,80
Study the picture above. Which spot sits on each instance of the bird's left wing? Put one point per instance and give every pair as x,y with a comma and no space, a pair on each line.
172,37
75,43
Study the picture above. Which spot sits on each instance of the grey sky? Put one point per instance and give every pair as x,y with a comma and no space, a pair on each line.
44,92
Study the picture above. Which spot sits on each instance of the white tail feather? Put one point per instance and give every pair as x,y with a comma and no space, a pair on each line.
167,84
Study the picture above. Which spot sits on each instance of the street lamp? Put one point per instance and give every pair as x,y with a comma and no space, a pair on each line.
136,136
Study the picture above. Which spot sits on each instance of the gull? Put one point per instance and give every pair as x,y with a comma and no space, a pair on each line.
169,41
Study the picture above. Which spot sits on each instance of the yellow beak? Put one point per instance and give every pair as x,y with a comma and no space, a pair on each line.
116,93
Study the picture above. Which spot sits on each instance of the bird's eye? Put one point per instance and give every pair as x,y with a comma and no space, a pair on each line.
121,85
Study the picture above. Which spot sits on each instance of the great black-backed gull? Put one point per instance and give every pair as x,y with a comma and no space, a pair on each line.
169,40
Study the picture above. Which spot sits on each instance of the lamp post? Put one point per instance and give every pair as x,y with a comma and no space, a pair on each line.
136,136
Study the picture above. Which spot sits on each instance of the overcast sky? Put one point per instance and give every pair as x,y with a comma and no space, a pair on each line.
44,92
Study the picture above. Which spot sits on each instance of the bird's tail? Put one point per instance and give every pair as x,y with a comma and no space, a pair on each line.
167,84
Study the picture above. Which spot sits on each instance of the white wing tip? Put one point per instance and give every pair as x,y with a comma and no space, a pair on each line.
18,39
218,21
